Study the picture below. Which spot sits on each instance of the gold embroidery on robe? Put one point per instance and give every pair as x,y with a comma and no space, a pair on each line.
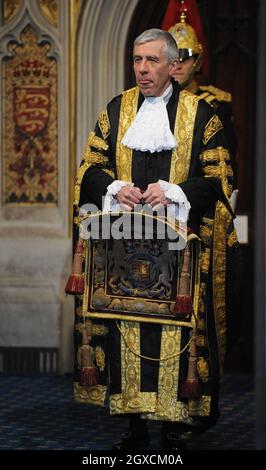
212,127
168,372
232,238
205,260
214,155
104,124
128,111
184,127
221,223
222,169
90,394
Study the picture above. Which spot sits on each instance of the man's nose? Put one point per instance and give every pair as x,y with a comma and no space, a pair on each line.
143,66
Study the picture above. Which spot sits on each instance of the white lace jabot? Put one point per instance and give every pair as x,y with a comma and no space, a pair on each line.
150,130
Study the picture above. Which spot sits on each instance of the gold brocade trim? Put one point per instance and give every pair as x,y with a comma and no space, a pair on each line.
202,295
217,172
146,403
219,95
232,239
184,127
139,319
96,157
212,127
162,405
147,407
221,170
181,414
104,124
99,330
200,407
94,395
221,223
168,372
128,111
206,231
214,155
96,142
205,260
130,365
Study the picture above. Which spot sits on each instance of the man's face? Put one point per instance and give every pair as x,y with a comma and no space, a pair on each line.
151,67
184,71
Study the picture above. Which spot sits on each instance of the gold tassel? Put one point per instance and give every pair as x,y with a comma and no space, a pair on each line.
184,305
75,283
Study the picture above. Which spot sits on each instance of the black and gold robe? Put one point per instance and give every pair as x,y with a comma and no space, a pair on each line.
201,166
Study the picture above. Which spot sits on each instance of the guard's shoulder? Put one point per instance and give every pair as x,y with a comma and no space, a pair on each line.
211,93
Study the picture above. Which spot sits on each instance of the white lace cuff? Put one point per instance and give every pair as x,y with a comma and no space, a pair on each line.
110,203
177,195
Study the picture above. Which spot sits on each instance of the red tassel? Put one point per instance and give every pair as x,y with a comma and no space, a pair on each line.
190,389
89,376
75,284
183,305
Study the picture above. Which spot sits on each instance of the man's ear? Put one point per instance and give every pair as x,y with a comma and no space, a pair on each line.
173,67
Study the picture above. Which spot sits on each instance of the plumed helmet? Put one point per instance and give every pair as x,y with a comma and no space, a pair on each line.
185,38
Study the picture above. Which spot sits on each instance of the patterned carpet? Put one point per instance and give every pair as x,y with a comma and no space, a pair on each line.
38,413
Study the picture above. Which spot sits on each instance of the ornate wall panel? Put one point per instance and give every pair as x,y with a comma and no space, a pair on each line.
30,169
10,9
35,240
50,10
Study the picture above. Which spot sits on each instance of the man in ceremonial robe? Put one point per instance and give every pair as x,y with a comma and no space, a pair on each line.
164,146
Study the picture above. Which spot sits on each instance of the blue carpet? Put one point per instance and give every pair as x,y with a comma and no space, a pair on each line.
38,413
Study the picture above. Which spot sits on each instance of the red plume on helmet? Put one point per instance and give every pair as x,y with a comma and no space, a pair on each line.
187,10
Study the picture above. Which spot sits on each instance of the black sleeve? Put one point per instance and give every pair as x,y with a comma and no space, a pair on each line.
225,113
211,176
98,164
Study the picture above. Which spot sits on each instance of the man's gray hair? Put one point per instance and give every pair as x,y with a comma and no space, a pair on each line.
153,35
